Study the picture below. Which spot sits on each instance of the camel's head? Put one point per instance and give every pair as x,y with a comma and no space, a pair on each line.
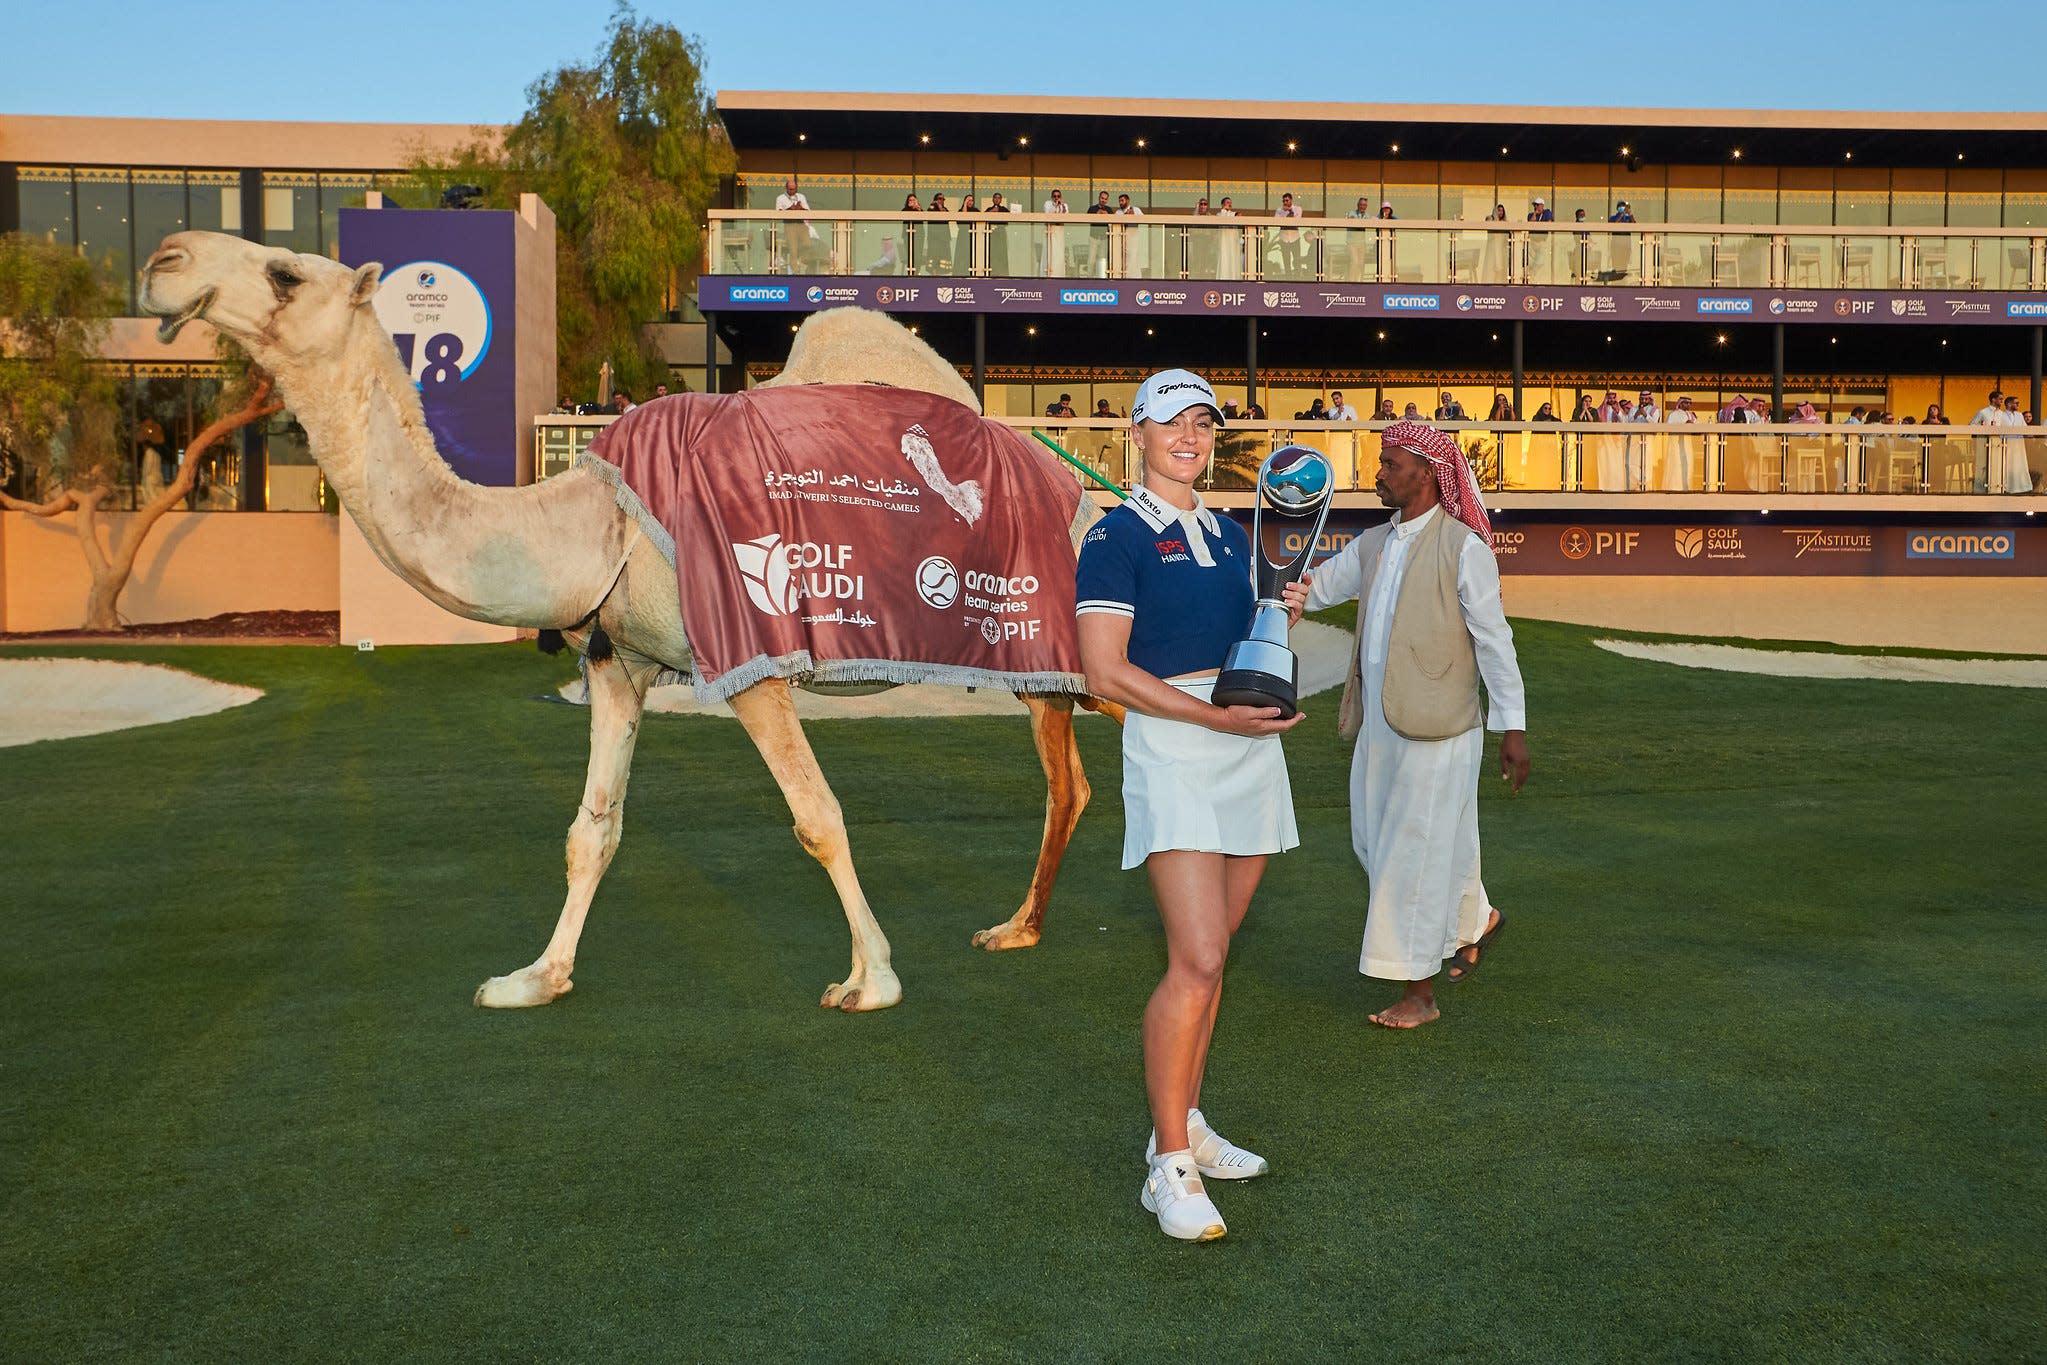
277,304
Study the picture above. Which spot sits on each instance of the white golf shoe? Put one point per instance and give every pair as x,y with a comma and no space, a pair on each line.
1172,1190
1214,1155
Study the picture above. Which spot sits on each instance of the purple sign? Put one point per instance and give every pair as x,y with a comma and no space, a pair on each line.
931,294
446,297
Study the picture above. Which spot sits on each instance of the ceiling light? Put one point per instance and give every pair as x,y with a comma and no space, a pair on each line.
1140,142
924,138
1030,331
1382,336
1023,142
1737,153
1847,156
1503,151
803,137
1627,151
1292,145
1148,331
1396,149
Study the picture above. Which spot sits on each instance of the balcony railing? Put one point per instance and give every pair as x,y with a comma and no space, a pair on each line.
1526,457
1374,251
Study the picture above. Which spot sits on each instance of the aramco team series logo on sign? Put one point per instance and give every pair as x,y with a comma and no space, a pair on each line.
938,582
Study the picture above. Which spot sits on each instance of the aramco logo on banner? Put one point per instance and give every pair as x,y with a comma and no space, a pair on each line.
438,318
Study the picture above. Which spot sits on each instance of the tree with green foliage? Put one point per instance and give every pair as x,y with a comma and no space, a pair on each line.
627,151
60,404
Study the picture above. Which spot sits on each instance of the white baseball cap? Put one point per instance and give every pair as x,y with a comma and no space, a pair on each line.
1169,393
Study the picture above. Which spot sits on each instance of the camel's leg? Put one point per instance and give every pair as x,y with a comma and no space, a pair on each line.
769,714
1066,794
617,691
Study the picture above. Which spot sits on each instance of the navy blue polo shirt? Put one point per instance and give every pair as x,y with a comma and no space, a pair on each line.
1141,562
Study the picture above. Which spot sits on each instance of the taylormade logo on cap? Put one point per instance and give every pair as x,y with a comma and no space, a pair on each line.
1169,393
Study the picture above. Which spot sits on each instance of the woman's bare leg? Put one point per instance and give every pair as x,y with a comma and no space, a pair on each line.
1193,899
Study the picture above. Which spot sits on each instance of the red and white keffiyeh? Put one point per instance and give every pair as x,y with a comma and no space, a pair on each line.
1456,485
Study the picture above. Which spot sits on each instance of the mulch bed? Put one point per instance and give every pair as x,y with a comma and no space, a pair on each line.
320,627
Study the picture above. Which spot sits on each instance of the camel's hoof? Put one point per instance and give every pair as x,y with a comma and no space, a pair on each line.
855,995
522,989
1008,934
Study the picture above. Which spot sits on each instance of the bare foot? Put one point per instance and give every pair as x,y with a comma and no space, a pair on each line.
1408,1012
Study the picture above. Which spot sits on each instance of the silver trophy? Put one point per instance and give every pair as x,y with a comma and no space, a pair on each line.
1294,481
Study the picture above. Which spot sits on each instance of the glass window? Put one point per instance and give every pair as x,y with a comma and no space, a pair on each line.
103,221
159,208
879,193
47,204
757,189
291,478
338,192
291,211
216,201
2025,199
1862,198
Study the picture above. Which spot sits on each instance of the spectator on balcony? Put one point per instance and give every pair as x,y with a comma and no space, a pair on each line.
1386,210
1385,412
938,240
1289,238
1586,411
2018,475
1805,415
963,239
1448,409
912,242
1253,411
1498,215
1062,408
998,237
1054,250
1203,247
1539,212
1128,240
1545,413
1410,413
1620,246
1857,414
1621,213
1646,412
1677,451
1611,452
1103,410
803,243
1934,417
1098,237
1578,217
1340,411
888,263
1503,410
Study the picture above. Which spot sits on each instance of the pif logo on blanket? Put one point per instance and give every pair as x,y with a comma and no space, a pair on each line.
780,578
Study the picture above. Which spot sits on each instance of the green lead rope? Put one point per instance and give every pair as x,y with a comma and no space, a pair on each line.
1060,451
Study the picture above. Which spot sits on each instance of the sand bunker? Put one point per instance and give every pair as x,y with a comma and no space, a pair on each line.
1790,664
1324,652
66,698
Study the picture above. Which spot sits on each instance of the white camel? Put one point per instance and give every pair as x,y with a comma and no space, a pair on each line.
561,554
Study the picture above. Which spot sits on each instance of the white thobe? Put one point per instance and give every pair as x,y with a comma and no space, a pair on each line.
1638,447
1677,453
1414,803
2018,475
1612,452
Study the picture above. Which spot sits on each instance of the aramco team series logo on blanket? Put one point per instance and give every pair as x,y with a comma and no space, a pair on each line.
780,578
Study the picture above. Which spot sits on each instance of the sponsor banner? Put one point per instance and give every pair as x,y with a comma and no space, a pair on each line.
856,533
446,298
1558,545
1250,298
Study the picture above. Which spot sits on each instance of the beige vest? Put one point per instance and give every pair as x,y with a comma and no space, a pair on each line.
1431,687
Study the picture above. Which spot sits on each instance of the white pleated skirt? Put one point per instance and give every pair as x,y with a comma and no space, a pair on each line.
1189,787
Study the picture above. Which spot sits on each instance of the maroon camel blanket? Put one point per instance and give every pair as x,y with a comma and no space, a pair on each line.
854,533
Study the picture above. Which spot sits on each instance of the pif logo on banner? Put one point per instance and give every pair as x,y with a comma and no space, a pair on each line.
438,318
1578,543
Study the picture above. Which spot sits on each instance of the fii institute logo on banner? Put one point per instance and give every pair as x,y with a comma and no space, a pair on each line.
1093,298
439,319
1960,544
760,293
1411,303
1721,303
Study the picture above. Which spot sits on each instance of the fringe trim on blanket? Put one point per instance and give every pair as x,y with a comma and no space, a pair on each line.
629,503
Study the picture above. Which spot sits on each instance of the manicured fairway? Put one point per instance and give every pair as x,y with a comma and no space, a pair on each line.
1757,1074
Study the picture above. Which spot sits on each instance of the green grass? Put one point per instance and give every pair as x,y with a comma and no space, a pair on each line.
1757,1076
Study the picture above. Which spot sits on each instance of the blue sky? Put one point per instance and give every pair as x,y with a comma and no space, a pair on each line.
434,61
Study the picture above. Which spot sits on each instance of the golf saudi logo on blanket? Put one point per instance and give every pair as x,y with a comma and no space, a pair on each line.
780,577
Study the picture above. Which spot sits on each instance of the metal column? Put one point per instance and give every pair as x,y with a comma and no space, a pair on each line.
1250,361
710,353
1777,372
1518,369
2037,348
981,359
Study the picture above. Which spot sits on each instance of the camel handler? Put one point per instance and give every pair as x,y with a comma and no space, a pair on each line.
1430,628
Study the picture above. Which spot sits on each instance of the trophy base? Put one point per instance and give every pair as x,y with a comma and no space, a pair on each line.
1252,687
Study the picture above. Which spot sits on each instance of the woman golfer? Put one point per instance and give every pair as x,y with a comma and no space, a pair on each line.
1164,589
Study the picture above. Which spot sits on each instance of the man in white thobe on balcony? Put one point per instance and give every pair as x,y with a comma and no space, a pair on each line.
1430,628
